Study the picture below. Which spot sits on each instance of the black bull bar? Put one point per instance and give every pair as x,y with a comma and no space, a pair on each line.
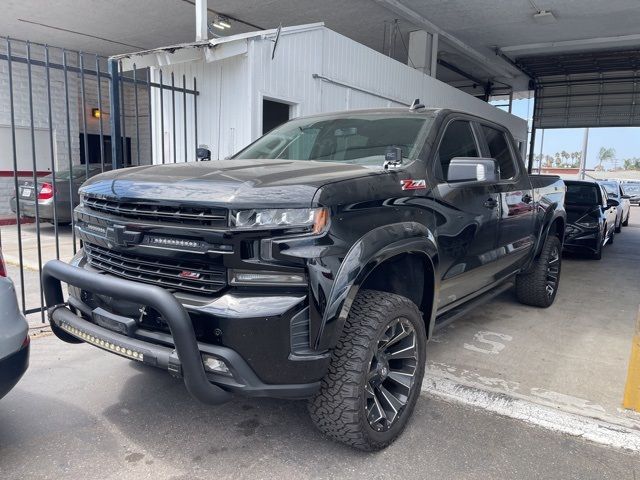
186,358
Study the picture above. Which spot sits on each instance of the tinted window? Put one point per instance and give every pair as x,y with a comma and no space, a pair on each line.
499,149
582,194
457,141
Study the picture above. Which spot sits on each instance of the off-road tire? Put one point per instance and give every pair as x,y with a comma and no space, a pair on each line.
531,286
338,409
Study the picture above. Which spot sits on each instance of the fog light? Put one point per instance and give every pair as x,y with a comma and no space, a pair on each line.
215,365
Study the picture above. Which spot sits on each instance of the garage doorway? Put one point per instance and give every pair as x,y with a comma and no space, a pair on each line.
274,114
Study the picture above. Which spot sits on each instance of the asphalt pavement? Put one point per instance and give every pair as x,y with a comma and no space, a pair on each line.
80,413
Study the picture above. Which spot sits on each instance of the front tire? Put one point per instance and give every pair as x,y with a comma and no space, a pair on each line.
375,374
626,221
539,285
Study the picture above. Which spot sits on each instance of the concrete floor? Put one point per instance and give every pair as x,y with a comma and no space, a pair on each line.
572,357
80,413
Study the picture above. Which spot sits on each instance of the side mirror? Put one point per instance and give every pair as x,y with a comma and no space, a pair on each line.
472,169
626,197
203,153
612,202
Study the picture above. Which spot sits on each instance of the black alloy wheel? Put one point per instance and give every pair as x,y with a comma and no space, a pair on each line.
391,376
553,271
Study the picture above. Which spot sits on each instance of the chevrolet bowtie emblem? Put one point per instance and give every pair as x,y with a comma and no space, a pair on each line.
118,235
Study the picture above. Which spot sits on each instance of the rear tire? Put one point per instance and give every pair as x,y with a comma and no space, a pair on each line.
375,374
539,285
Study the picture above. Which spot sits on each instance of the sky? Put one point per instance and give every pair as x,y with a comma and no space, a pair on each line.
625,140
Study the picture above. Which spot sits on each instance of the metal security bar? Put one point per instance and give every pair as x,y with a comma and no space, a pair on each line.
66,116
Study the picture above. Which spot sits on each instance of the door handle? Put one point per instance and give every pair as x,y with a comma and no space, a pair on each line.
526,198
491,203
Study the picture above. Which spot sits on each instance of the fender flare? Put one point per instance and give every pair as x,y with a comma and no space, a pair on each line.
551,215
372,249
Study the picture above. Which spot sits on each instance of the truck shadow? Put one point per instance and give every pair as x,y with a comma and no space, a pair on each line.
159,416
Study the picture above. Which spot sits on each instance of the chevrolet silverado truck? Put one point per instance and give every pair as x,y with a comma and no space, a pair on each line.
315,263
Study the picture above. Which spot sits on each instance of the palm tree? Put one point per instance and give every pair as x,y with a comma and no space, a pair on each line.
605,155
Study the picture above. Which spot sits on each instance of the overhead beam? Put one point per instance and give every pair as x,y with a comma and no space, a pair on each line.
422,22
572,45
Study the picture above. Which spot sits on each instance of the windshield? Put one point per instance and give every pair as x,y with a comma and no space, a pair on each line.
610,188
582,194
358,139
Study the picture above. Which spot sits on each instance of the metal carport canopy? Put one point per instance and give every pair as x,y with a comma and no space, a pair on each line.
590,89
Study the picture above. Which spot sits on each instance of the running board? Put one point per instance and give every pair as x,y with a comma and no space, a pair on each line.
455,313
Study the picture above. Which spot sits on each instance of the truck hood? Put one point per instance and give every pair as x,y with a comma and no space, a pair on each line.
237,183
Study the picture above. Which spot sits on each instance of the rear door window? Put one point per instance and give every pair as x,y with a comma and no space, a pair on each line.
457,141
499,149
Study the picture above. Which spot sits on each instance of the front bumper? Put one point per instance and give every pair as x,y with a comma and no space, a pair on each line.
579,238
179,352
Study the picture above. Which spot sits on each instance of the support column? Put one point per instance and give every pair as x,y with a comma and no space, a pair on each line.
114,118
202,29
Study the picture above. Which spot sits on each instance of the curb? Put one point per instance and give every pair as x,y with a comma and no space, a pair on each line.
550,418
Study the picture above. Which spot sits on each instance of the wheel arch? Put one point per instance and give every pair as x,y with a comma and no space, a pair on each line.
386,249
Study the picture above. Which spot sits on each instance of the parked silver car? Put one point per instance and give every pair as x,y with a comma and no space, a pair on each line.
632,189
48,194
14,335
615,192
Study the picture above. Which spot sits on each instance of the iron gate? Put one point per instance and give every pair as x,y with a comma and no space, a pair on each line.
65,116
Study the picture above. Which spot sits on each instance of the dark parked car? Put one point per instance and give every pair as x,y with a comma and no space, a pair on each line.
591,217
623,210
315,263
632,190
50,194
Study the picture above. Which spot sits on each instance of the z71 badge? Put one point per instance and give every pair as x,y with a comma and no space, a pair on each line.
413,184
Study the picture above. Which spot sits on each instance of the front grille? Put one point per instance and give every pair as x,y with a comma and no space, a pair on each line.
185,215
178,276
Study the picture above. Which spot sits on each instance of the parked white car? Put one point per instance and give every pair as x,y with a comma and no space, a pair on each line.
14,335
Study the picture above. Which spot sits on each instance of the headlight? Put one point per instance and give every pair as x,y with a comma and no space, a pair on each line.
279,217
588,224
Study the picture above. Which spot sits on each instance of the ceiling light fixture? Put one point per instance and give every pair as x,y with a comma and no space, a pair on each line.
544,17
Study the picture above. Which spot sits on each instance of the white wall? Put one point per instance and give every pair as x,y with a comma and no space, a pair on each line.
315,70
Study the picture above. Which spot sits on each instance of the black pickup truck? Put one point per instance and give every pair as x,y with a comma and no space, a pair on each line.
316,263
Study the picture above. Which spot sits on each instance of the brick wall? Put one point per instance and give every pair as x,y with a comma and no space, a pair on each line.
67,121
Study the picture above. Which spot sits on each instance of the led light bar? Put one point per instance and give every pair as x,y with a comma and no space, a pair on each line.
175,242
104,344
247,277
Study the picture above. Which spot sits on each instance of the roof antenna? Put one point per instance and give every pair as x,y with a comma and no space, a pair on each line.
416,105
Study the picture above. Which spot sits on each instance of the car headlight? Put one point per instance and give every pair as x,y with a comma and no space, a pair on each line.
588,224
316,218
